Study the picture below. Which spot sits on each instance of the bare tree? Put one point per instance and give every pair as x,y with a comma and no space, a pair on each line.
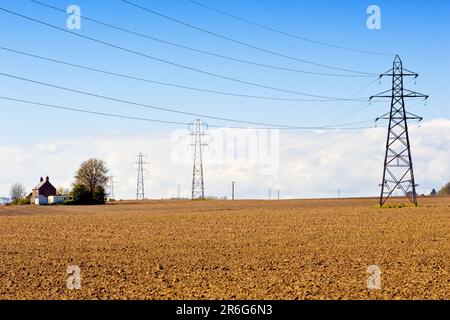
92,174
62,191
17,192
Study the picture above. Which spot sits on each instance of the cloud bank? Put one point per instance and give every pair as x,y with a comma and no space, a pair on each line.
299,164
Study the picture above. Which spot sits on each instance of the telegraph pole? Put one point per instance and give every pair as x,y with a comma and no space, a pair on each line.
140,163
232,190
398,170
198,185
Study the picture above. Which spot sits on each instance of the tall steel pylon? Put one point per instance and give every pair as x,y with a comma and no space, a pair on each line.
111,184
198,185
398,170
140,163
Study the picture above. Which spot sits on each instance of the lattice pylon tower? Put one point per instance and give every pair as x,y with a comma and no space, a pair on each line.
140,189
111,184
398,173
198,185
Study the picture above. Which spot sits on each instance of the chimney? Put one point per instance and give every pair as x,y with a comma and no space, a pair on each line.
47,178
42,179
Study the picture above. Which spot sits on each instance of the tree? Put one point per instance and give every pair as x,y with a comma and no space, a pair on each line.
81,195
17,192
99,195
61,191
445,191
92,174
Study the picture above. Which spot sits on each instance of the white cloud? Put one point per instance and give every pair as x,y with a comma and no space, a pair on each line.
310,164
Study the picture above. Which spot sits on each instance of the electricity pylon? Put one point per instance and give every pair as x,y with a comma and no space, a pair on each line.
111,184
140,163
198,185
398,166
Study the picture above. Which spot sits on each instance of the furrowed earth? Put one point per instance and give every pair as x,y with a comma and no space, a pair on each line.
293,249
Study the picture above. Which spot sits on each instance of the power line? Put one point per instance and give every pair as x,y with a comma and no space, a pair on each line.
106,114
217,55
354,111
338,104
145,105
291,35
344,126
322,148
158,82
128,101
351,123
170,62
244,43
357,109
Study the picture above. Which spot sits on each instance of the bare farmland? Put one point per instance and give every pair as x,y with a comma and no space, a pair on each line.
305,249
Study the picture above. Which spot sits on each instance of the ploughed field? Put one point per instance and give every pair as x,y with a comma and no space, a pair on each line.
296,249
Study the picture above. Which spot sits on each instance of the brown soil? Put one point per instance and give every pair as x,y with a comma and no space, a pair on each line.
297,249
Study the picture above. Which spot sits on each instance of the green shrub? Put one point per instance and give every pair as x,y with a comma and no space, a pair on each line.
22,202
81,196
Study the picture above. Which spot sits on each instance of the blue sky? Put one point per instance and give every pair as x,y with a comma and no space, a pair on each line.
417,30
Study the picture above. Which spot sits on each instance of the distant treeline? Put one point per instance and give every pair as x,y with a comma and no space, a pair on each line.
445,190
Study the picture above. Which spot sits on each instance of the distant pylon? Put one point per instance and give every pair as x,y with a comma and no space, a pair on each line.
198,185
140,163
111,184
398,170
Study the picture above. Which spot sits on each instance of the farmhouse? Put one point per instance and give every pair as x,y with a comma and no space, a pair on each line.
42,191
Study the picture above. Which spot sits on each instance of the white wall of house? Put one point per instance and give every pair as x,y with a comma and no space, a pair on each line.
58,199
41,200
